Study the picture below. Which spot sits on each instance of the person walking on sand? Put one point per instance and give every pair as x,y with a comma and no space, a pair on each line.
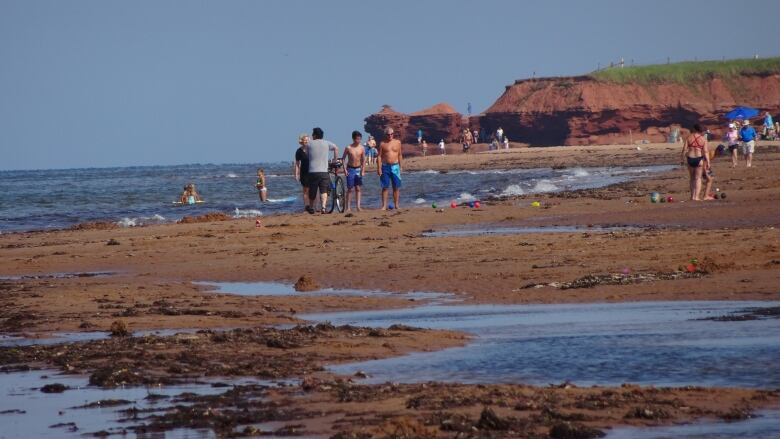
732,140
424,148
442,147
301,170
319,152
388,167
696,156
419,136
748,137
354,166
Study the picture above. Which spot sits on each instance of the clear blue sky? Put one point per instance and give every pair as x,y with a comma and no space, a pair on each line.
116,83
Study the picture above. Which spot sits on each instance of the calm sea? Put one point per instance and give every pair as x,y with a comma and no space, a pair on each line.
134,196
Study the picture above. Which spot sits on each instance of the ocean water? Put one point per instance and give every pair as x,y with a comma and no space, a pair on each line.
133,196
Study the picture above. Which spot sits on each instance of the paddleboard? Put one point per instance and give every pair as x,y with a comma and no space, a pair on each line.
179,203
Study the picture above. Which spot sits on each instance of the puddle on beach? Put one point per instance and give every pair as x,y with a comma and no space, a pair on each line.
482,230
765,426
74,337
25,411
650,343
284,289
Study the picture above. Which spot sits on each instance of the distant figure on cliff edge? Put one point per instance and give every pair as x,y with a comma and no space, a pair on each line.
319,153
442,147
748,137
354,166
696,156
389,167
301,171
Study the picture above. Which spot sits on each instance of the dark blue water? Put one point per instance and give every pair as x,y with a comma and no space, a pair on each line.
651,343
143,195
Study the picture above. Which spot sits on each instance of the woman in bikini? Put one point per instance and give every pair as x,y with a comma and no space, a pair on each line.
696,156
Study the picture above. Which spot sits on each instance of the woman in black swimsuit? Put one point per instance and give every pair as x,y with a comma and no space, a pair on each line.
696,156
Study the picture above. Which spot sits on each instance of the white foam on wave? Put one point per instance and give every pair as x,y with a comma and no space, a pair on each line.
579,172
289,199
231,175
544,186
246,213
127,222
512,190
140,221
465,197
419,201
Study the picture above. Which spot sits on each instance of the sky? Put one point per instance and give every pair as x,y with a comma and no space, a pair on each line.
97,83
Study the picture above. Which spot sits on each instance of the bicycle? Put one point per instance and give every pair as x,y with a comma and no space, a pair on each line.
336,191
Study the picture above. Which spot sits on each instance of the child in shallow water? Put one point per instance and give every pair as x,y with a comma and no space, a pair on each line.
190,195
262,189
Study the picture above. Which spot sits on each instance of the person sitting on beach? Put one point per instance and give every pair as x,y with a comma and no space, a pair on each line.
354,166
748,137
732,140
769,126
389,167
301,170
696,156
262,189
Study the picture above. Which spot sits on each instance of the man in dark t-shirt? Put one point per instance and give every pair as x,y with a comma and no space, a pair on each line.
302,167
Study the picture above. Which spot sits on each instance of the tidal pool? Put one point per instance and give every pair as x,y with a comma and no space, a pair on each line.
650,343
285,289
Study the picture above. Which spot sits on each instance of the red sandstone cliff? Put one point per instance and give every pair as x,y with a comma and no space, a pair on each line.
582,110
440,121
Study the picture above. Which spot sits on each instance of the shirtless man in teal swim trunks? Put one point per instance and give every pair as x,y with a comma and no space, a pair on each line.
388,167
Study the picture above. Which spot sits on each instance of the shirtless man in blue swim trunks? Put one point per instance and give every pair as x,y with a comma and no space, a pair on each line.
388,166
354,165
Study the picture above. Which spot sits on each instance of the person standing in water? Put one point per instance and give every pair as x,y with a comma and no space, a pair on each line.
354,166
302,168
262,189
696,156
388,167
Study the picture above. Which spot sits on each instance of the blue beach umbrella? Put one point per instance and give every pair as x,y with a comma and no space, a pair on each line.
741,113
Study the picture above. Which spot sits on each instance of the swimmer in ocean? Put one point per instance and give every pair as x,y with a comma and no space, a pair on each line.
190,195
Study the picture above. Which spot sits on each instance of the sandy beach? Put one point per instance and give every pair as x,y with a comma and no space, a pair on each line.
602,245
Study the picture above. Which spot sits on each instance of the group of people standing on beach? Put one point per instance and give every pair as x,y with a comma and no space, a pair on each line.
315,158
467,138
697,156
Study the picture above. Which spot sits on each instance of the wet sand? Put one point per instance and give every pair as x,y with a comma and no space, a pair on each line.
736,243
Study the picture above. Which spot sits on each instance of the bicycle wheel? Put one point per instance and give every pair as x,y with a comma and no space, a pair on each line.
339,200
332,192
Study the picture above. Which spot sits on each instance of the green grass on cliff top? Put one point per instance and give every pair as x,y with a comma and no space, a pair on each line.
687,72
